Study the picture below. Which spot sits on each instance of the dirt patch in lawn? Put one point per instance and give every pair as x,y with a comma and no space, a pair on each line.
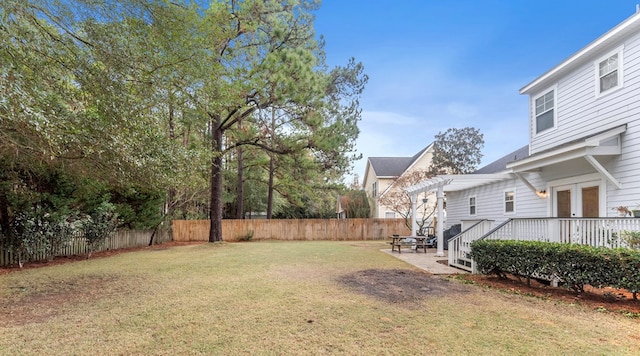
400,286
29,303
404,287
601,299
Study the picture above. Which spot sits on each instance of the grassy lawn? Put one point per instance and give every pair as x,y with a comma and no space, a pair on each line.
283,298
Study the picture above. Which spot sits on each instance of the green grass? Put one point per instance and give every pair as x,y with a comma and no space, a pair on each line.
278,298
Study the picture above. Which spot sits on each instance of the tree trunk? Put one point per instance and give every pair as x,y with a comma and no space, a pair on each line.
215,205
270,189
171,194
271,167
4,212
240,187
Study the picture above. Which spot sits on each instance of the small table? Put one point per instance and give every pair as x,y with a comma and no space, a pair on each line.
408,241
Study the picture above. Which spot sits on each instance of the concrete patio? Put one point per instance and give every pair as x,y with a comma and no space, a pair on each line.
426,261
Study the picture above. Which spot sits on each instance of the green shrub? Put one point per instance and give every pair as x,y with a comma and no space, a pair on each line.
102,222
34,232
575,265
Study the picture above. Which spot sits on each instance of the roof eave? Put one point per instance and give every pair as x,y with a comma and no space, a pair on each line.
589,146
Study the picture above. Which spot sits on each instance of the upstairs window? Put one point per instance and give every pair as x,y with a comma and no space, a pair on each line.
545,111
472,206
374,189
609,72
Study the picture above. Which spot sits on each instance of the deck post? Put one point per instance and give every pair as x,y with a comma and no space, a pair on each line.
414,221
439,233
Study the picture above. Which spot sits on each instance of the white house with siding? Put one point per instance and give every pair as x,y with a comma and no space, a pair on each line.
582,161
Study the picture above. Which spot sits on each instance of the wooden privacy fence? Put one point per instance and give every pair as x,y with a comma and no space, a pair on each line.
290,229
78,246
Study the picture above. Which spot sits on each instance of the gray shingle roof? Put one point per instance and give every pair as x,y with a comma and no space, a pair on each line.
389,166
393,166
500,164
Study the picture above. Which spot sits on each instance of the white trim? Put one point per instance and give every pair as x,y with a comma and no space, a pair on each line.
426,150
590,146
603,171
504,201
539,193
457,182
620,52
554,89
575,179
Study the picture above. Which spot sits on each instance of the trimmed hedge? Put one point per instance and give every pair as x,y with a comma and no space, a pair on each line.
575,265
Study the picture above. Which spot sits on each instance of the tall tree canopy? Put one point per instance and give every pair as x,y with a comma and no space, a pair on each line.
457,151
157,93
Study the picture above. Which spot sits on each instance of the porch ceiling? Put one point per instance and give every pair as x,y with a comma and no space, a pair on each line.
455,182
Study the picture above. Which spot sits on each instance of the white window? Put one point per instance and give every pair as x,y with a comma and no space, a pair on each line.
509,201
609,72
472,206
545,111
374,189
390,215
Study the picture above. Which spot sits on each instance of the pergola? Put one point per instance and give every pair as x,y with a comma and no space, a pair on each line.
448,183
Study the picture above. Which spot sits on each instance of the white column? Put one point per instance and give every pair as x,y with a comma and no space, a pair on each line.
414,221
440,227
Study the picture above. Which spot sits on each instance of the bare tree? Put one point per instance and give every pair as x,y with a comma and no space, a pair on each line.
399,200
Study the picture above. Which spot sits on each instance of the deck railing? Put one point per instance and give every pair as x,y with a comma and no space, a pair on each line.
597,232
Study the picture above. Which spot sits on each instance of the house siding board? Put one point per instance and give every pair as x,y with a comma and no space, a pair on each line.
490,202
625,169
579,111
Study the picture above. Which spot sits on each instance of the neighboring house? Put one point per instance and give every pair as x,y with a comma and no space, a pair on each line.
382,172
583,157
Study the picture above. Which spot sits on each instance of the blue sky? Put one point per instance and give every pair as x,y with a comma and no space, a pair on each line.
437,64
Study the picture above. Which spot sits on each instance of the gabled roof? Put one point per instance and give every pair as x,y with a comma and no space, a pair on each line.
500,165
601,44
390,167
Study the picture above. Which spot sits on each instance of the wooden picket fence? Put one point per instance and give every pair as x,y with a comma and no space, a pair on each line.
292,229
235,230
78,246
